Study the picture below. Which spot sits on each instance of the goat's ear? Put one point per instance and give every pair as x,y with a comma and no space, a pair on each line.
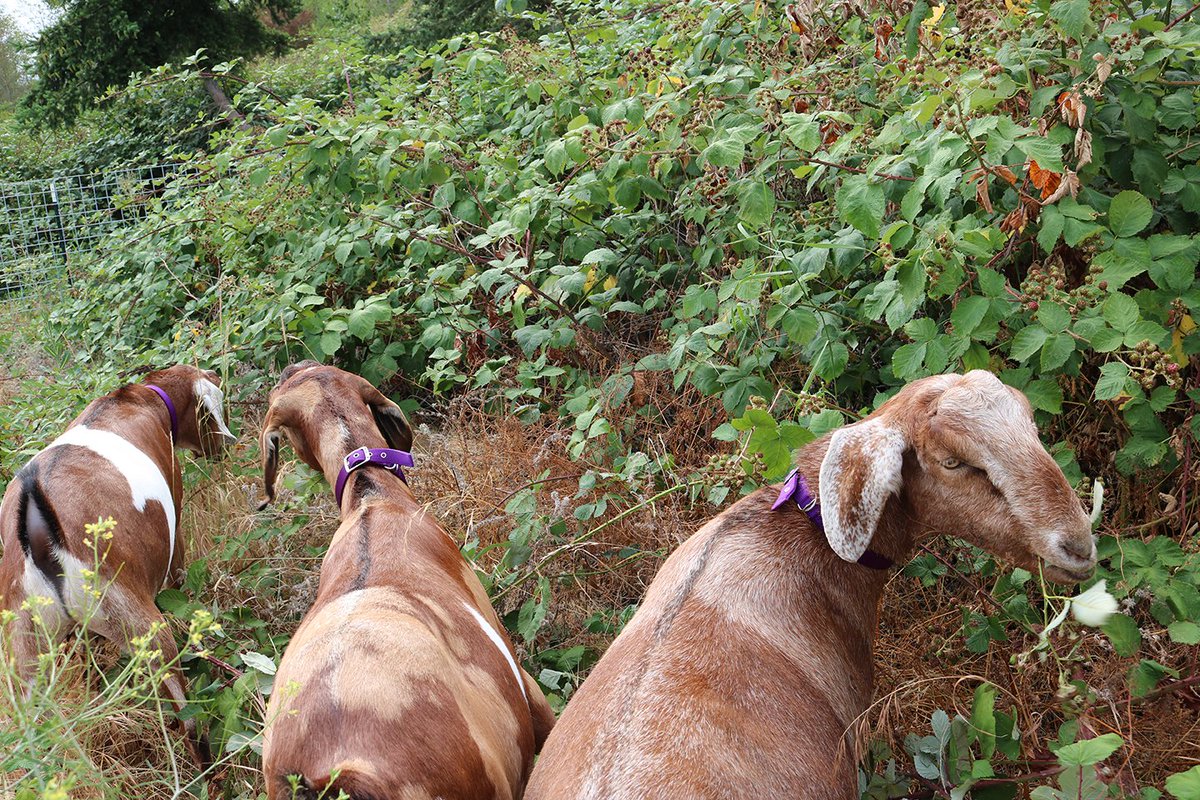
268,444
860,470
389,419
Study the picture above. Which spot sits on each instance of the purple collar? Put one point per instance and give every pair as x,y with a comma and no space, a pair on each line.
796,488
170,408
391,460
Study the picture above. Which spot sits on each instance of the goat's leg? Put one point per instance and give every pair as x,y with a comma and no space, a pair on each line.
138,619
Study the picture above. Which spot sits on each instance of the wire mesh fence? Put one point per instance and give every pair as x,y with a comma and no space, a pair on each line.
47,222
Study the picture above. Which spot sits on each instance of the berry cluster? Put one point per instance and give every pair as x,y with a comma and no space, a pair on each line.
809,404
701,115
713,182
1152,363
1049,282
644,63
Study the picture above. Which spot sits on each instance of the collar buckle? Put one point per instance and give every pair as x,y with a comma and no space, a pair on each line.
356,458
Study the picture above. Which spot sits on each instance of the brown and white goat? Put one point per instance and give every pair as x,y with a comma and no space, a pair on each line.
400,681
116,459
744,671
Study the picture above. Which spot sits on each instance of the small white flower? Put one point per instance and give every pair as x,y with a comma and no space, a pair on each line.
1094,606
1097,501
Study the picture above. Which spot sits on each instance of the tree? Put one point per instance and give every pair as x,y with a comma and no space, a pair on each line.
14,75
96,44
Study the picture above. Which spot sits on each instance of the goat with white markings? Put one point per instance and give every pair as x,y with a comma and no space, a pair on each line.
745,669
116,459
400,681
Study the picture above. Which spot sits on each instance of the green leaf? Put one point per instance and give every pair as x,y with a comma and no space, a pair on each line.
1184,632
444,196
983,718
861,204
331,342
259,662
727,152
1045,395
342,253
556,157
967,315
1056,351
1123,632
1114,378
361,323
1129,213
757,204
1089,751
1185,785
1054,317
1051,227
1042,150
1027,341
1072,17
1121,311
908,360
831,361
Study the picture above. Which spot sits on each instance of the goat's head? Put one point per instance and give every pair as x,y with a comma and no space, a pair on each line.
964,452
198,401
325,413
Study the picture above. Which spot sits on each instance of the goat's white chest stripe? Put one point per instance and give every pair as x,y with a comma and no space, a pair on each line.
496,640
146,481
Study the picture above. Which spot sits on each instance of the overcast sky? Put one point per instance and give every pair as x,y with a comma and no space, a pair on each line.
30,15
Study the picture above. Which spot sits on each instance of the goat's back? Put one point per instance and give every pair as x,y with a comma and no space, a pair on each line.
89,474
715,689
401,687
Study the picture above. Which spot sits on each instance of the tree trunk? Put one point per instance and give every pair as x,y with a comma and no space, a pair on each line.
222,102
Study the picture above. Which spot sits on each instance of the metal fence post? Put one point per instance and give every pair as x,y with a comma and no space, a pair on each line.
62,232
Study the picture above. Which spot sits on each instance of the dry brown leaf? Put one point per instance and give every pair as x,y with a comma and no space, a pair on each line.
1104,66
1083,148
1071,108
982,194
1005,173
1068,184
1016,220
883,35
1045,180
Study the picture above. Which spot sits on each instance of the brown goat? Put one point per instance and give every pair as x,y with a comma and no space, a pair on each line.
116,459
400,681
744,671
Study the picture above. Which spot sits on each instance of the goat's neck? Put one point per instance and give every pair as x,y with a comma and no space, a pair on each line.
830,588
344,439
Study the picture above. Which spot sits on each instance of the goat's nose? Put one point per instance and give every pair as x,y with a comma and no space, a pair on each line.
1080,547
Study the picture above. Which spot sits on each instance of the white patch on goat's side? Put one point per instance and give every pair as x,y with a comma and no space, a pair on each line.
146,481
35,584
881,448
78,590
210,397
496,640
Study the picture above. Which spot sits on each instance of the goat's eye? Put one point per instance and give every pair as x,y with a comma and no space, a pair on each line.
951,463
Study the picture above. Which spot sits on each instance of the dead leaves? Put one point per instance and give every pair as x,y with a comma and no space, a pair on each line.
883,35
1068,184
1071,108
1044,180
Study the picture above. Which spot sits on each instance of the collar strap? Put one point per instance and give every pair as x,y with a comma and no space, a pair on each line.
796,488
170,408
391,460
